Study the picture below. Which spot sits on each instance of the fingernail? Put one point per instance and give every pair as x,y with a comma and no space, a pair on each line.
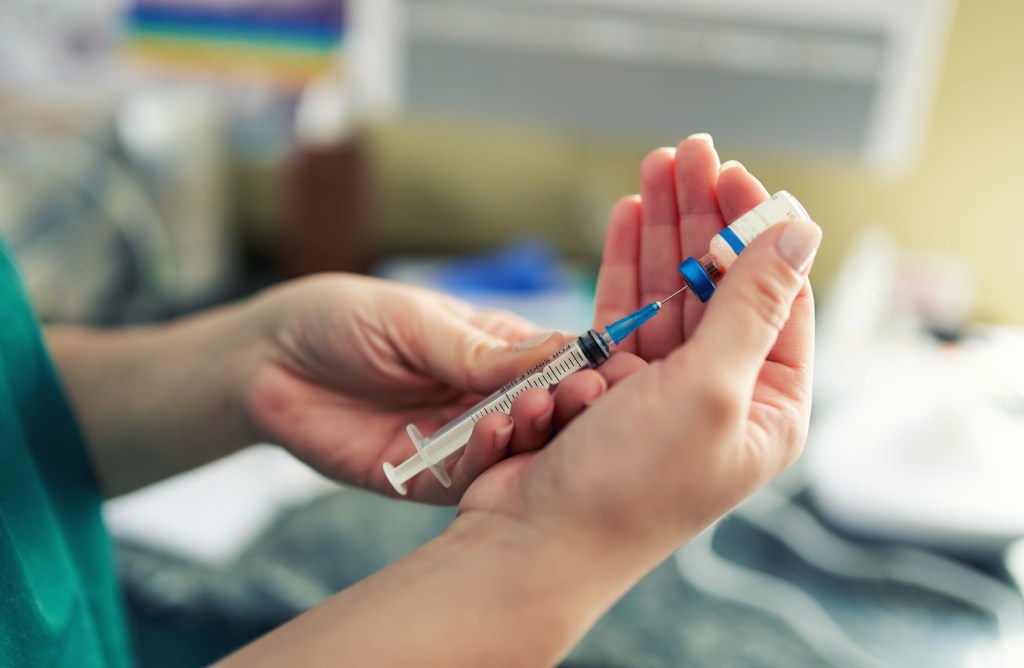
703,136
544,421
502,436
533,341
729,164
798,243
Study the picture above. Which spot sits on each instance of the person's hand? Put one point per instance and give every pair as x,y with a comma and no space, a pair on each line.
547,540
685,199
347,362
674,445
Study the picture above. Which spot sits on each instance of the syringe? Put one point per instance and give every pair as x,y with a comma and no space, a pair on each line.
594,347
588,351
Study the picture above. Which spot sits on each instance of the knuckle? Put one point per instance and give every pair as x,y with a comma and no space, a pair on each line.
794,437
474,356
768,299
587,381
475,349
720,402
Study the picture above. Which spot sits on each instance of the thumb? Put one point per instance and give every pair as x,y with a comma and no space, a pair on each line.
474,360
742,322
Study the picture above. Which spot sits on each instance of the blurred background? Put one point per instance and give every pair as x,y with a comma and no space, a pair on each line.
157,157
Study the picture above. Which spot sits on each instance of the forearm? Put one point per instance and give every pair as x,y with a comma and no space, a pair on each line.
154,401
489,591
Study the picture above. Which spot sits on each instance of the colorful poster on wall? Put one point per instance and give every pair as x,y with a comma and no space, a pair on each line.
282,43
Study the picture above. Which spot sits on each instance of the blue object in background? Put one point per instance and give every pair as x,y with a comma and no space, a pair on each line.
527,278
525,267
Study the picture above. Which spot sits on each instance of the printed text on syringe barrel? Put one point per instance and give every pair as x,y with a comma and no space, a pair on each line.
551,375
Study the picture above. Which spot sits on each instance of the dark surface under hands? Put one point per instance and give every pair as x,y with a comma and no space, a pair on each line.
185,614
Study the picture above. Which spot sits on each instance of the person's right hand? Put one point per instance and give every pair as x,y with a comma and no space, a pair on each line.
674,445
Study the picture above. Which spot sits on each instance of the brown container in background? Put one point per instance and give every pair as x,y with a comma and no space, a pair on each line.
328,209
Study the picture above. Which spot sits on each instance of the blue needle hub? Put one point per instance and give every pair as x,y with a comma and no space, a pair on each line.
620,329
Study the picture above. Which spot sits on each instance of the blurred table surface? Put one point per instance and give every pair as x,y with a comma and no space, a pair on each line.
187,612
190,606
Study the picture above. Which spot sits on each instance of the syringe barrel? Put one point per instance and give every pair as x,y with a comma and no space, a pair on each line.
586,351
726,246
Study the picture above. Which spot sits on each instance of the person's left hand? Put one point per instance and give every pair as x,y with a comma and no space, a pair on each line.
346,362
686,197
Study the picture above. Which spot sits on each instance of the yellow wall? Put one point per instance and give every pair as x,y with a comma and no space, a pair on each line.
964,193
448,186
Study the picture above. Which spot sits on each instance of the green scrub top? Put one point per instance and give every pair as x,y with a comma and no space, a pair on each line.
59,600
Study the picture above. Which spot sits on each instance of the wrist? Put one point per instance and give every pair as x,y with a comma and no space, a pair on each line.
237,347
560,585
469,597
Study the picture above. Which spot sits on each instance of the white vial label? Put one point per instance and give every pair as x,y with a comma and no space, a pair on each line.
780,207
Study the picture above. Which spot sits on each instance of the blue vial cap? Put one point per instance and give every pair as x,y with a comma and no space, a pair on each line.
697,278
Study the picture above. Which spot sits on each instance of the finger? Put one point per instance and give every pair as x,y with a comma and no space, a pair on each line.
754,303
659,253
576,393
487,445
470,359
794,348
618,281
696,174
620,366
505,325
531,413
738,191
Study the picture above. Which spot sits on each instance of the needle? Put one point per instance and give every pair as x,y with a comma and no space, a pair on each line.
672,295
